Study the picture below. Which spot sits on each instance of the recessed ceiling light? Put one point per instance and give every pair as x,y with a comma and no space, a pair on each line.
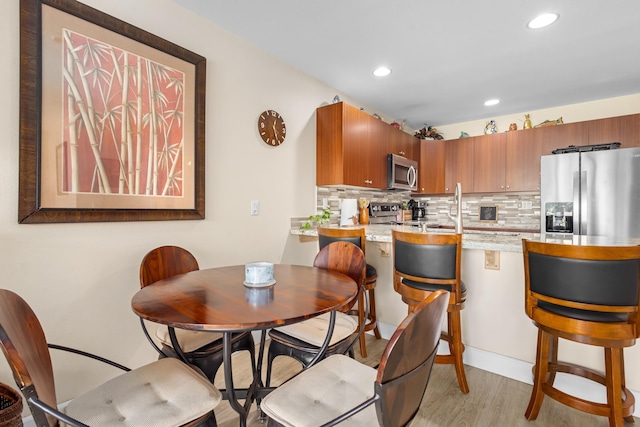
542,20
492,102
382,71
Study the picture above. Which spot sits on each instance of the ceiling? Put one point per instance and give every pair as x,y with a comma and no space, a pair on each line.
447,57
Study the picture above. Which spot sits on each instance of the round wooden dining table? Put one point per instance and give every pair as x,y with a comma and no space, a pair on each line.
216,299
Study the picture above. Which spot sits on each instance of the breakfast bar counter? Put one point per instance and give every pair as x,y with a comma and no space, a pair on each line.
498,335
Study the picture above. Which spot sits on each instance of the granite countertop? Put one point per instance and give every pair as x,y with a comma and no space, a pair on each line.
490,240
471,239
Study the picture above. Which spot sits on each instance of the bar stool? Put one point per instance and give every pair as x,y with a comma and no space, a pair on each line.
590,295
356,236
424,263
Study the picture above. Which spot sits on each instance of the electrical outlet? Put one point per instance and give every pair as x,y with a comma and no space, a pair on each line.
526,204
255,208
464,205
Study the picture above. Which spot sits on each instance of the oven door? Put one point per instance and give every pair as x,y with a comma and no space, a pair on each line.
402,173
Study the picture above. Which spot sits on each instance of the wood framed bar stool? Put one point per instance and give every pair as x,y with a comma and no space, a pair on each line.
356,236
590,295
424,263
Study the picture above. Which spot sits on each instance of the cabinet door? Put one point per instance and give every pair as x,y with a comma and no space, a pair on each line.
356,137
459,164
561,136
522,161
623,129
405,145
431,167
489,163
375,153
329,145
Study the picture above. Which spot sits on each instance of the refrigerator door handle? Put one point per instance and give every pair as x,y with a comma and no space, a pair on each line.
576,202
583,203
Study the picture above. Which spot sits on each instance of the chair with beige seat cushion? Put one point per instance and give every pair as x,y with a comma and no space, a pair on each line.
303,340
340,388
202,349
165,393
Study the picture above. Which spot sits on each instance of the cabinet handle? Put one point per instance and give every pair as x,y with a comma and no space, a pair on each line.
446,189
502,187
507,187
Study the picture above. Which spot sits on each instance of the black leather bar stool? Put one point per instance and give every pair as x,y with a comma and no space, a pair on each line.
590,295
424,263
356,236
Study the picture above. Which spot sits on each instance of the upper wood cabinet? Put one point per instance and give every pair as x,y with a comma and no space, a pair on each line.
345,151
352,147
623,129
404,144
489,159
459,164
431,166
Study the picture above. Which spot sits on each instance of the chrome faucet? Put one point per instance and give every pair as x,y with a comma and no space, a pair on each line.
457,219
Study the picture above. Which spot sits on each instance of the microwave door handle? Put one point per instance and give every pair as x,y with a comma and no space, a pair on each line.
411,176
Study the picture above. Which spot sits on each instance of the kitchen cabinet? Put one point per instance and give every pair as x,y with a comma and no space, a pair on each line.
431,167
459,164
489,158
349,150
623,129
403,144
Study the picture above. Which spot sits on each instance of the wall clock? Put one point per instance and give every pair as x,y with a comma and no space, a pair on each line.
271,128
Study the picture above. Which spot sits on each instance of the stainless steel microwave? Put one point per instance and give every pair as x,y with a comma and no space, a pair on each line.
402,173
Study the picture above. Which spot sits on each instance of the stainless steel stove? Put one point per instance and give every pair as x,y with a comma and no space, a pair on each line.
383,213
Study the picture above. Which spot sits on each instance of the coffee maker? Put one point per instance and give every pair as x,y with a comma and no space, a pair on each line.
418,210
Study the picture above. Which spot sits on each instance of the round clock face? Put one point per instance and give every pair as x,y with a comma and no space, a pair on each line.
272,128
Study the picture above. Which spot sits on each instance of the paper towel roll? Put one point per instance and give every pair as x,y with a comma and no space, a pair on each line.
348,211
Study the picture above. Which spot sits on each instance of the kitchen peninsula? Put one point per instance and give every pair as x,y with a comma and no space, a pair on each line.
497,334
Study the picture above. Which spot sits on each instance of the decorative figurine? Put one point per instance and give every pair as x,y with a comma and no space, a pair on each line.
527,122
336,99
490,127
428,132
463,134
550,123
513,126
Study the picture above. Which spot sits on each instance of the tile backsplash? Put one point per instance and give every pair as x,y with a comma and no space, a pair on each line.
515,210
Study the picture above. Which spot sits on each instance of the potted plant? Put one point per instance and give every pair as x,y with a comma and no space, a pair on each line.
318,219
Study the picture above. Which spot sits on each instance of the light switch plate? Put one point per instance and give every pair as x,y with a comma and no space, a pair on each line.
255,207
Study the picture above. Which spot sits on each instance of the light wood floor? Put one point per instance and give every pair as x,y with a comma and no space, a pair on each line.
493,400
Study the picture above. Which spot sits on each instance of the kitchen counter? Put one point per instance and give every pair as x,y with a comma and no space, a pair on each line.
490,240
498,335
471,239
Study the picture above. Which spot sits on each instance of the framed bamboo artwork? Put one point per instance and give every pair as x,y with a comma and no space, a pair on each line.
111,119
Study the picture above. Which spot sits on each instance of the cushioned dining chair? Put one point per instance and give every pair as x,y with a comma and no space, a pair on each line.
424,263
202,349
356,236
589,295
340,388
165,393
303,340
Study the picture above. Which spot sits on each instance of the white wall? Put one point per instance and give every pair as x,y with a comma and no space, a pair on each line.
79,278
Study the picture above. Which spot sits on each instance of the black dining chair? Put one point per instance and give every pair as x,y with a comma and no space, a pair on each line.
303,340
341,389
165,393
202,349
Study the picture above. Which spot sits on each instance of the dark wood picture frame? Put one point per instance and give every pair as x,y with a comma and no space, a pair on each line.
32,158
488,213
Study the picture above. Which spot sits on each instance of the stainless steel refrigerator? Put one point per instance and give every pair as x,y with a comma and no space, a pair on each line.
594,193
